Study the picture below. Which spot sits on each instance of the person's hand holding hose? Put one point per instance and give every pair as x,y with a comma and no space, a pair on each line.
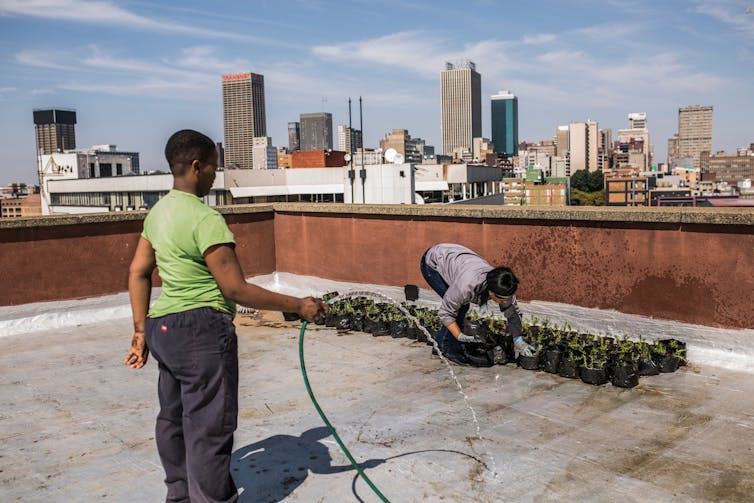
312,309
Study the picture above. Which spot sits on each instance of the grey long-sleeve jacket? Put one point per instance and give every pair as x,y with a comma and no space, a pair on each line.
465,272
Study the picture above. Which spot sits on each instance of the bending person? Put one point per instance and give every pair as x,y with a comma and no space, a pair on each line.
461,277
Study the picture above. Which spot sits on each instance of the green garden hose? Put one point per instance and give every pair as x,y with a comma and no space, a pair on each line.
324,418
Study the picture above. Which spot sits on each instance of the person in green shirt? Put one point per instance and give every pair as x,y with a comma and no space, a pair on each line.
189,330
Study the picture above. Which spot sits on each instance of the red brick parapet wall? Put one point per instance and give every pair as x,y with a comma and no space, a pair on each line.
687,264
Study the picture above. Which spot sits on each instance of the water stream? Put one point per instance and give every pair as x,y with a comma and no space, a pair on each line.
378,297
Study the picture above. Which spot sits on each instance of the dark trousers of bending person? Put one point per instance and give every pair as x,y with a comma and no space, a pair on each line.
448,344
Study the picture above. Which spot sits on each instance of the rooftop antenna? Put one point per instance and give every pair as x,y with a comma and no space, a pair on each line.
362,172
351,172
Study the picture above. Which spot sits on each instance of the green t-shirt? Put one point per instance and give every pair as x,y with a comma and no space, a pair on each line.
180,228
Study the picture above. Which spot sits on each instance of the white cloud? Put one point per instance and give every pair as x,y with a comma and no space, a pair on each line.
43,59
205,58
5,91
733,14
536,70
408,50
106,13
154,87
543,38
612,32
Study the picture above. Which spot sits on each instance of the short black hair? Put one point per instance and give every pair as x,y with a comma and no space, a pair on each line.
501,281
185,147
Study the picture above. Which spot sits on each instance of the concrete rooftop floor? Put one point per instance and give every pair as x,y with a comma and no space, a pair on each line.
77,425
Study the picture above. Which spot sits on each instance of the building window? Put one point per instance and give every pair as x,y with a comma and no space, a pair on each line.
91,170
118,169
105,169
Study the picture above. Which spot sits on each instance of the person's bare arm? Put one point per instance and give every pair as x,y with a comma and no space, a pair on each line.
454,329
139,291
223,263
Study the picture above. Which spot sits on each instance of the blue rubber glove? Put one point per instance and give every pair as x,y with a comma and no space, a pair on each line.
521,347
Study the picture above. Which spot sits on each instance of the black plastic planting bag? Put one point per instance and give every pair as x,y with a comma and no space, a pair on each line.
647,367
529,362
478,359
398,328
357,323
552,361
411,292
625,375
343,322
473,328
594,376
569,368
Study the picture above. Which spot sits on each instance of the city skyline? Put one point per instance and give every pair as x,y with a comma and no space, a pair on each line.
154,69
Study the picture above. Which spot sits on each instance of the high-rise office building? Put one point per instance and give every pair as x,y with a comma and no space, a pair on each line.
220,154
56,130
316,131
461,94
636,140
637,120
694,135
294,136
412,149
349,139
583,146
605,150
505,123
561,141
243,117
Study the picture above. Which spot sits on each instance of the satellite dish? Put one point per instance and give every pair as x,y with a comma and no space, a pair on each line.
397,159
390,154
347,157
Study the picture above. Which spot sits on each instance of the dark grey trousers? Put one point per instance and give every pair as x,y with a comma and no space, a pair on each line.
197,352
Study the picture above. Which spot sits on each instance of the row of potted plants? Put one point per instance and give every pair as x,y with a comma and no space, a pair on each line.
558,349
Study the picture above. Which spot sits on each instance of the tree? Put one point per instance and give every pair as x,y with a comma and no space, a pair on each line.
580,180
580,198
596,181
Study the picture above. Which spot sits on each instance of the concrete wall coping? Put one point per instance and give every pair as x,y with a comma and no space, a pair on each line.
672,215
114,217
679,215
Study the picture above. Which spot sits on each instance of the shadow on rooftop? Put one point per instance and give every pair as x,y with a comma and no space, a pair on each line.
271,469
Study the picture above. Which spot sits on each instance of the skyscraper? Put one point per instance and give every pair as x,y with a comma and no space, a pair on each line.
316,131
412,149
505,123
56,130
461,93
294,136
349,139
636,137
605,150
694,135
561,141
637,120
583,146
243,117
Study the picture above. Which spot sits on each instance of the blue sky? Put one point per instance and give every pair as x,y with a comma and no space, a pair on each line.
136,71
